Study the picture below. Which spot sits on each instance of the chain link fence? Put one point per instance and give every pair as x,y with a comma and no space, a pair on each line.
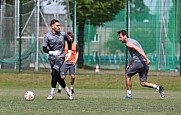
154,23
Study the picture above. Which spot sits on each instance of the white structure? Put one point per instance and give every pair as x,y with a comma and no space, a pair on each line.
53,7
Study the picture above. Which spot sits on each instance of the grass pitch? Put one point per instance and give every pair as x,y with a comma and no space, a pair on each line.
95,94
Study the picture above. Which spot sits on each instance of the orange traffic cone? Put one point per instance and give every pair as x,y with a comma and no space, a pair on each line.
97,68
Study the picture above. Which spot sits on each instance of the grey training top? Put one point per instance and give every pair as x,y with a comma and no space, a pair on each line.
135,54
55,41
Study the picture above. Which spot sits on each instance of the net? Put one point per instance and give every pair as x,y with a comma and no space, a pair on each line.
154,23
35,23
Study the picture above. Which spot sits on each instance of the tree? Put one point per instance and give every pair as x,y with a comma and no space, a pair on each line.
114,44
96,12
139,11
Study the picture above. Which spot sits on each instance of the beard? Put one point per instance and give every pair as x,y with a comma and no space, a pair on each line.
123,41
56,30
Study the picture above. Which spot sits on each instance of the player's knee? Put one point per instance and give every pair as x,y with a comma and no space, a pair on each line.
73,76
128,78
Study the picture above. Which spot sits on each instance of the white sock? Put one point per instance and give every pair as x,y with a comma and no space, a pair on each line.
129,93
66,89
52,91
60,87
156,86
71,86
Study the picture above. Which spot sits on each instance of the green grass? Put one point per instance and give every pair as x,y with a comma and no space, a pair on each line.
95,94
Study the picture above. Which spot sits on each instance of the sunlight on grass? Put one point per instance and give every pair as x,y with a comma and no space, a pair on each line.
95,94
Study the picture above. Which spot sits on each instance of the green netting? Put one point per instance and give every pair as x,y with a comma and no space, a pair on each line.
27,57
154,23
31,31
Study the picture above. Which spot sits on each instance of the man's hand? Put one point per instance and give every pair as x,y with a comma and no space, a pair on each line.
55,53
148,62
68,55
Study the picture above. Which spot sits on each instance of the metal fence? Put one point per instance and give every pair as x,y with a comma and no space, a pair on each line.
154,23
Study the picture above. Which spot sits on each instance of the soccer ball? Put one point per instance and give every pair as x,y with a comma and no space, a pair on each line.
29,96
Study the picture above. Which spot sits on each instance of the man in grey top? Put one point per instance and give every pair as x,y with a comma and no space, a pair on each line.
54,44
139,64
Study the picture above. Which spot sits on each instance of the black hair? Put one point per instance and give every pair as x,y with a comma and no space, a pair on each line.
123,32
53,21
71,34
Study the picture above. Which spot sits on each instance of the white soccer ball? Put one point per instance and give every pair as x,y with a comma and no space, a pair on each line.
29,96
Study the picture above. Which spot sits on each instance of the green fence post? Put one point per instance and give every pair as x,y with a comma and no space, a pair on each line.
20,31
128,29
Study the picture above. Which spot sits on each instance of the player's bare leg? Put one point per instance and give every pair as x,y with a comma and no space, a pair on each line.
72,83
128,87
151,85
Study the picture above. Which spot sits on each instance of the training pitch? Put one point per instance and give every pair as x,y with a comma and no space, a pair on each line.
95,94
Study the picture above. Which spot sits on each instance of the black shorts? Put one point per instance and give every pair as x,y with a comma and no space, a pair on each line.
139,67
68,67
57,63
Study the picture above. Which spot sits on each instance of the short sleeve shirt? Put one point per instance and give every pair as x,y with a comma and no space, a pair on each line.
134,54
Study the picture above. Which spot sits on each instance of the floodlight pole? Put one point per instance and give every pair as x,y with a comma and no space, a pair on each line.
20,30
1,16
75,37
16,31
37,33
128,30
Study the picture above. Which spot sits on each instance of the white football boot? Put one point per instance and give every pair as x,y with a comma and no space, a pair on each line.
50,97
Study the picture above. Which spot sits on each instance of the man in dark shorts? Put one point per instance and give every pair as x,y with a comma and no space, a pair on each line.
139,64
70,65
54,44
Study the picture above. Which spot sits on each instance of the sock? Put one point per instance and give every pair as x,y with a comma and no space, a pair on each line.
156,86
66,89
129,93
52,91
60,87
71,86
